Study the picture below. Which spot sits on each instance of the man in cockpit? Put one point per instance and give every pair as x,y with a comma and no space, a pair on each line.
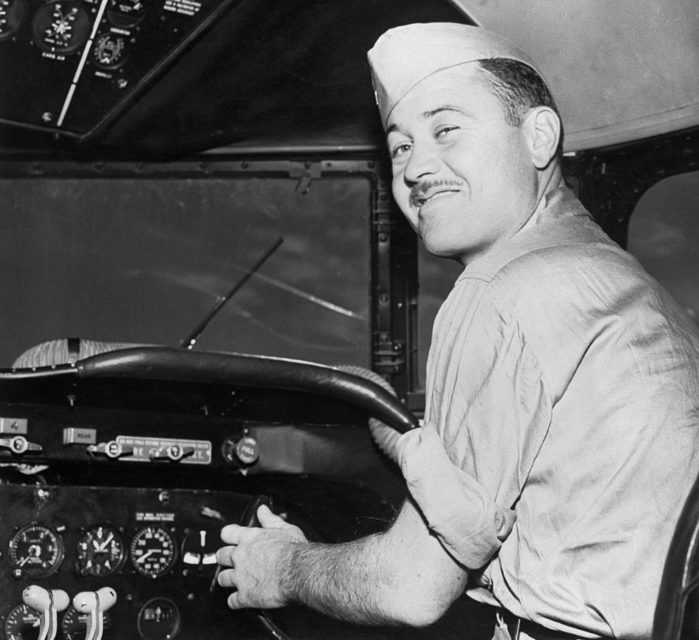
561,431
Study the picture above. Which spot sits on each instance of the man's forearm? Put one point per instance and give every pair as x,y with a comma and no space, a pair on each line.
402,576
348,581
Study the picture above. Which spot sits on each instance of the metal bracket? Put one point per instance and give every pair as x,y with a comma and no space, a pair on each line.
305,172
389,355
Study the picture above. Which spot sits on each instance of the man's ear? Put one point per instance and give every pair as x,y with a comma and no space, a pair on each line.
543,130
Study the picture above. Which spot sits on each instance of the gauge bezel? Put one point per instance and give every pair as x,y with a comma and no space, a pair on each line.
169,535
82,27
67,619
41,572
16,12
11,634
81,555
120,60
125,19
175,625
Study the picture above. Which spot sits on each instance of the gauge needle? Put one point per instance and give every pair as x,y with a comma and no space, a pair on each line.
103,546
145,555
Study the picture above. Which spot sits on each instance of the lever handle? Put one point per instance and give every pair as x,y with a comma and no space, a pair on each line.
48,604
94,604
111,449
19,444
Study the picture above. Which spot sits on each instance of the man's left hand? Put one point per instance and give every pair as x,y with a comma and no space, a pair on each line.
260,560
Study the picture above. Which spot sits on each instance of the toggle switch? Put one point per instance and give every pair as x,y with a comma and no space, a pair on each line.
19,444
111,449
174,452
48,604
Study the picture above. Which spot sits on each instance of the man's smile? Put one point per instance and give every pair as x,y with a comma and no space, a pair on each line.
423,193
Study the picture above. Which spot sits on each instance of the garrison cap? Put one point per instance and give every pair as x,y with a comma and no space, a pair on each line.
404,56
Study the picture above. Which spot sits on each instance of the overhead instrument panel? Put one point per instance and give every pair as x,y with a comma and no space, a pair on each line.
69,65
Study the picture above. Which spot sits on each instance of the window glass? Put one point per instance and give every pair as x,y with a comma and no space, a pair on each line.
664,236
145,260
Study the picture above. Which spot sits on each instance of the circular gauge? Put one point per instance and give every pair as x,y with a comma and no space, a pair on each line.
159,619
12,14
109,51
126,13
199,549
62,26
36,551
100,551
153,551
74,624
22,623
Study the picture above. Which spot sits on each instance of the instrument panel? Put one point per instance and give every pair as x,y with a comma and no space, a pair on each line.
67,65
154,547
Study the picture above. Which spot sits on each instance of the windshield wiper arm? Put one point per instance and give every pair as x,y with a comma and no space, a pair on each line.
191,339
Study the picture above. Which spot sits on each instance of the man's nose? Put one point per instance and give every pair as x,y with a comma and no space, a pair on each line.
423,162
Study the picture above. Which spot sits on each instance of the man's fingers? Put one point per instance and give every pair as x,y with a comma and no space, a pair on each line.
234,533
234,601
270,520
226,578
224,556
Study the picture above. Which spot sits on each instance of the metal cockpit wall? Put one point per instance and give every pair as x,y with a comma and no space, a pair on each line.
393,270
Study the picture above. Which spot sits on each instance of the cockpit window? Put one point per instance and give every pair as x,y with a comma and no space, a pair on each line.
664,236
145,260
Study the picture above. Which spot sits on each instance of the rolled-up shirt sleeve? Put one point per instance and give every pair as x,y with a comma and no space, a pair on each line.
469,524
487,414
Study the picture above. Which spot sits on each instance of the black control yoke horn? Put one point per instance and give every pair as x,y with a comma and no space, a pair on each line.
180,365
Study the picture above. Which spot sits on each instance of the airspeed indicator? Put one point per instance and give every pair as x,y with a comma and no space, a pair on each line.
153,551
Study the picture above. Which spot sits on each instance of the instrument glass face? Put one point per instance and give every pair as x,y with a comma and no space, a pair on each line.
100,551
36,551
74,624
61,27
153,551
22,623
159,619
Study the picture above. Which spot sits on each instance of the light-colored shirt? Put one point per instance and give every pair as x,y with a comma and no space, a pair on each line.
563,382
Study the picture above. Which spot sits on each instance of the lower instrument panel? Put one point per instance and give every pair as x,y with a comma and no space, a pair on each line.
155,548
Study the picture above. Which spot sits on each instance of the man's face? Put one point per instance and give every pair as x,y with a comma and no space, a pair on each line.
462,176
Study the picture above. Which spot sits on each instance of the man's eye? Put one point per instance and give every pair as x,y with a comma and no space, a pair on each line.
400,150
442,131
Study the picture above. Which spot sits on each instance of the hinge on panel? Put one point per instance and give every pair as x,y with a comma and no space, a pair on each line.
305,172
389,355
383,202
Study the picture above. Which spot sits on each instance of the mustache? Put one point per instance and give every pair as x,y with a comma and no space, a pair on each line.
419,192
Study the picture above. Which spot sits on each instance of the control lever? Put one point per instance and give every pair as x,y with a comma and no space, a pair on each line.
174,452
19,444
111,449
94,604
48,604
